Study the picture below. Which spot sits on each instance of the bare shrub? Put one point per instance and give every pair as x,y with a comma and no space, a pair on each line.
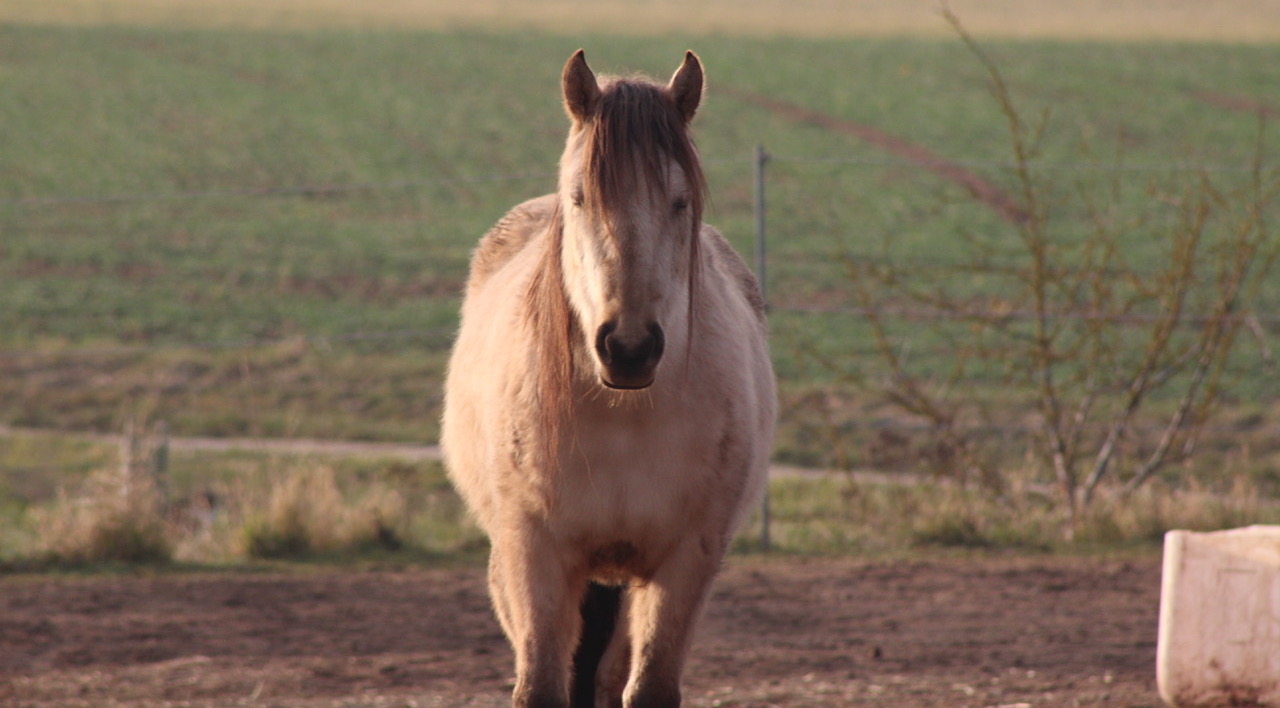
1115,363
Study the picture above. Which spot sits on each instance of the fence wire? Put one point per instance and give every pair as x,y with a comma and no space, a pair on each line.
253,192
1257,322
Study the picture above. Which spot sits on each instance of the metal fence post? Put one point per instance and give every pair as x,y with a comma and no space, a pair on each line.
762,158
160,463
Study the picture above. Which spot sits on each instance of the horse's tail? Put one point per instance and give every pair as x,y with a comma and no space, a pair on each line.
599,620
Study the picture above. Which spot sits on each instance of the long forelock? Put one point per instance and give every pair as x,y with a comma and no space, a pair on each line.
637,129
635,132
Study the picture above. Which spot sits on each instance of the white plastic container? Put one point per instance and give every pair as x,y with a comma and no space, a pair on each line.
1219,641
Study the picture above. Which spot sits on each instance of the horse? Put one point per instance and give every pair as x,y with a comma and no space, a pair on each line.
609,402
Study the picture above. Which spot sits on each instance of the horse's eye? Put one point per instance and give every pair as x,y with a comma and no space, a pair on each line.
578,198
680,205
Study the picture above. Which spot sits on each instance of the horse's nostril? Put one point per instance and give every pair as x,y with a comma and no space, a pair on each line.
630,356
658,339
603,335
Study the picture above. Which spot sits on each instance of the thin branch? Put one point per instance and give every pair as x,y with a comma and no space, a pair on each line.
1145,380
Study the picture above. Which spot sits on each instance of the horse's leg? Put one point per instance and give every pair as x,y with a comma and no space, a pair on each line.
663,613
537,600
615,665
501,607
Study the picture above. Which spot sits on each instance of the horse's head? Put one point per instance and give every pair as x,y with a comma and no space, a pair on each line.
631,191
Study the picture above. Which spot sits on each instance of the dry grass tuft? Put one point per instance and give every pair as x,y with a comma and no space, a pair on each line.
306,513
1148,513
833,515
114,517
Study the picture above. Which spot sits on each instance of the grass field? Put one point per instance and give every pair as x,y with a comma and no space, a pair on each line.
258,224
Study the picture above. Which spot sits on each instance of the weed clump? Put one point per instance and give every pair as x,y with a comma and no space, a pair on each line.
115,517
306,514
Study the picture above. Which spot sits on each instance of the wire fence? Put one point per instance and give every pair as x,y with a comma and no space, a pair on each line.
767,262
1261,324
759,160
250,192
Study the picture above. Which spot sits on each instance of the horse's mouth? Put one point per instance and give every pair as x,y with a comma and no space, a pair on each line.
627,378
626,386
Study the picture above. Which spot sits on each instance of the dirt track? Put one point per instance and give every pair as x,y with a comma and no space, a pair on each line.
1003,632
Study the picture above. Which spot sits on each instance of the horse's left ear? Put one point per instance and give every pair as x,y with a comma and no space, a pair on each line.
686,86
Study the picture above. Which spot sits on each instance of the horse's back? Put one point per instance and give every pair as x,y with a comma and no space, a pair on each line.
742,364
509,236
731,264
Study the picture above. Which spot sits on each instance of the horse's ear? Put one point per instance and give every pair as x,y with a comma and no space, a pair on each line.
686,86
581,92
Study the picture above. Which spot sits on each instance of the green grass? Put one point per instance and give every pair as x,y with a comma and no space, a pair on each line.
133,161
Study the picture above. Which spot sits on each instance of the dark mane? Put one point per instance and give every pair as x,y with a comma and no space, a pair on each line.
637,122
548,312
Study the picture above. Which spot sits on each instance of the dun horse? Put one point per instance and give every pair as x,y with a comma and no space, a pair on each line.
610,404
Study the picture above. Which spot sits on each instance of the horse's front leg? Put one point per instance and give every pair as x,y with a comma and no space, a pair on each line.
536,598
661,618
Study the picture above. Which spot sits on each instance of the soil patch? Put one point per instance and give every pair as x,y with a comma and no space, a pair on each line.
1237,103
984,632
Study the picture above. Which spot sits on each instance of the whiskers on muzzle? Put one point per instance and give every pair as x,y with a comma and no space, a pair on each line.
627,399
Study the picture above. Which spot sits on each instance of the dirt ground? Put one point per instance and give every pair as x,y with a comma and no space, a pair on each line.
779,632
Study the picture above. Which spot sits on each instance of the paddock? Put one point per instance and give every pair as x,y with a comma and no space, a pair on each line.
978,631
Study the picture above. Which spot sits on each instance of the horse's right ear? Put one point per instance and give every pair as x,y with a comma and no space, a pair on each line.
581,92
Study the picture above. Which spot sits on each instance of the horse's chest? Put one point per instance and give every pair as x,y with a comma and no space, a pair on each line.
632,480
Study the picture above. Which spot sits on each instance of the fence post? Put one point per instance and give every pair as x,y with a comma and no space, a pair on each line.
761,159
160,463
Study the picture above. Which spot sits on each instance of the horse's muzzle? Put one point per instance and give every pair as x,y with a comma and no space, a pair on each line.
629,363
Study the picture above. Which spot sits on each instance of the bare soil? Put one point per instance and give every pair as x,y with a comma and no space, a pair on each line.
779,632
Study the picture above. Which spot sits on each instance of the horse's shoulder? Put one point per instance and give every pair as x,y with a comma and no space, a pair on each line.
731,263
510,235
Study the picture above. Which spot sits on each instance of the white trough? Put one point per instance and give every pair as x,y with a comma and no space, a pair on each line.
1219,641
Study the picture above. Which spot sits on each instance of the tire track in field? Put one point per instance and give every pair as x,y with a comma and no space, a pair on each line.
1237,103
982,190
